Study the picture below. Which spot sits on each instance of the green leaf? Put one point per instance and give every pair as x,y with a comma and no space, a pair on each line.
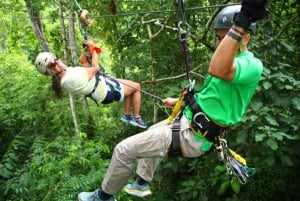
235,186
285,159
278,135
296,103
256,105
272,144
242,137
223,188
267,85
271,120
270,161
260,137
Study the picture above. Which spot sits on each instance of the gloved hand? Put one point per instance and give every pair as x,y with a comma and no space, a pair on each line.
255,9
89,47
85,60
251,11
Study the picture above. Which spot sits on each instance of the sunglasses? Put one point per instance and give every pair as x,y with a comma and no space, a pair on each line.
53,61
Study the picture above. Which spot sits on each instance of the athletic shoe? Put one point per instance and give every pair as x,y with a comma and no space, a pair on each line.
138,190
92,196
138,122
126,118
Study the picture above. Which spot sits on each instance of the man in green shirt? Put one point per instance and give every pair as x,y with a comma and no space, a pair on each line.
233,76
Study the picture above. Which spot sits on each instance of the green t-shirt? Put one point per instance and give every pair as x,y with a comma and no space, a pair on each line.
226,102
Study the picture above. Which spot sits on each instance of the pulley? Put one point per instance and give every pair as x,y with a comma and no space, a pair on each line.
84,18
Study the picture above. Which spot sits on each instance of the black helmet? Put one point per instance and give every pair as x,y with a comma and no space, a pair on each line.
224,19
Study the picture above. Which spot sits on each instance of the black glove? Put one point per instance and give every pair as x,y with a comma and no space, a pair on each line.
255,9
251,11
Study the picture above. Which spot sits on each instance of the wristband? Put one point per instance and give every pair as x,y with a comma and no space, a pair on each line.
236,30
234,36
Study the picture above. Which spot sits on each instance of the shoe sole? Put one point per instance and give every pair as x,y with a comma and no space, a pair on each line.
136,124
125,121
138,193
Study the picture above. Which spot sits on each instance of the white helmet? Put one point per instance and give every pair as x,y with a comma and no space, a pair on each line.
42,62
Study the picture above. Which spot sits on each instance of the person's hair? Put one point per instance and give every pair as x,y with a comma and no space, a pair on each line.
56,86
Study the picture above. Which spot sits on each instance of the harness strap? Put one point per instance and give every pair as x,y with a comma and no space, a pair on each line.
174,149
201,122
97,77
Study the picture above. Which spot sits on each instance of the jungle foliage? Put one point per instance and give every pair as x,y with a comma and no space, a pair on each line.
42,157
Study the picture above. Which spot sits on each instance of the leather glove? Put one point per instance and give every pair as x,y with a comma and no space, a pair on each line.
85,60
89,47
251,11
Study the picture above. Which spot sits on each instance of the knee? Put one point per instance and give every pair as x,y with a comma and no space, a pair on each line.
120,148
137,85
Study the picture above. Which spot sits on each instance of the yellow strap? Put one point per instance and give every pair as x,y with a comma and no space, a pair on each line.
176,108
238,157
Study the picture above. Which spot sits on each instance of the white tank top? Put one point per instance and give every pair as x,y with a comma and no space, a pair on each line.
76,81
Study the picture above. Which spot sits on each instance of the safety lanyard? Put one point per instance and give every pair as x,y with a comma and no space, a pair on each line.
183,33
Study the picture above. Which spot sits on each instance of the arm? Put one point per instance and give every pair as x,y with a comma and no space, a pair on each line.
95,66
169,102
222,62
221,65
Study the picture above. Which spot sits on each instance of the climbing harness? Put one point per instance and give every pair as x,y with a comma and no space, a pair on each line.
235,164
84,19
175,149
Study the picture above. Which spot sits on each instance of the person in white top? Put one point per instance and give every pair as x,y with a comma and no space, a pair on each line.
91,83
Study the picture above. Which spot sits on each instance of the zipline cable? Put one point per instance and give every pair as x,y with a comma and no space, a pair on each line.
84,20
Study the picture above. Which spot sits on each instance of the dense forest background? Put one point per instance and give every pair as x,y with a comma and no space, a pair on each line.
52,149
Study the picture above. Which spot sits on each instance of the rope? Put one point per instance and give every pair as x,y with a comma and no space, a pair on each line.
77,4
183,36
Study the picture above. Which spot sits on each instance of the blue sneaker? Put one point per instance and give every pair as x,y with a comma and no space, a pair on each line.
92,196
138,122
138,190
126,118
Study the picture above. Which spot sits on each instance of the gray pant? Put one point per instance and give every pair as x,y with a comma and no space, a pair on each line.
148,147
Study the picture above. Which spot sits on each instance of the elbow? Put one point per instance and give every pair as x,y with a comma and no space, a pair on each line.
223,75
212,70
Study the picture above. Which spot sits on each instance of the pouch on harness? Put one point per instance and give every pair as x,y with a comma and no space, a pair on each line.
200,122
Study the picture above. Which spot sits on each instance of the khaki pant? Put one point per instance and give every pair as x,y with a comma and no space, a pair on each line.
148,147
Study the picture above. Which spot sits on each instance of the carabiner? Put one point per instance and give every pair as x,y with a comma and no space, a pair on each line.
183,34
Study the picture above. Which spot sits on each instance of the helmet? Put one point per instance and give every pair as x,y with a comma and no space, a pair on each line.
224,19
42,62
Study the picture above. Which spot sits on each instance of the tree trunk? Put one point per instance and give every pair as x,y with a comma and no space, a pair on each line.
36,24
74,60
65,45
